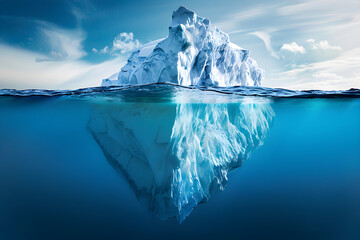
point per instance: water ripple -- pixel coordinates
(156, 89)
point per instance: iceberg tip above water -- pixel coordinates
(194, 53)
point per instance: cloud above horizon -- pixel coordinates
(338, 73)
(123, 43)
(293, 47)
(266, 38)
(324, 45)
(64, 44)
(19, 70)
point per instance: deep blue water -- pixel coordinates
(56, 183)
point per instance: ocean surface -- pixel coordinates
(57, 182)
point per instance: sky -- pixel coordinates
(68, 44)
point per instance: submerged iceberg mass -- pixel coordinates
(175, 156)
(194, 53)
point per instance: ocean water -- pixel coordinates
(57, 179)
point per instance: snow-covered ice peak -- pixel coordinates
(194, 53)
(187, 17)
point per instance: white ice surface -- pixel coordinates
(194, 53)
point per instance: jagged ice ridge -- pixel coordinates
(194, 53)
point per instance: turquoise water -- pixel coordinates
(57, 180)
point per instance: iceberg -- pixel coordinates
(194, 53)
(175, 156)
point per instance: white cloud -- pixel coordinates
(266, 38)
(104, 50)
(322, 15)
(327, 16)
(324, 45)
(19, 70)
(124, 42)
(64, 44)
(342, 72)
(234, 20)
(293, 47)
(94, 50)
(294, 9)
(322, 7)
